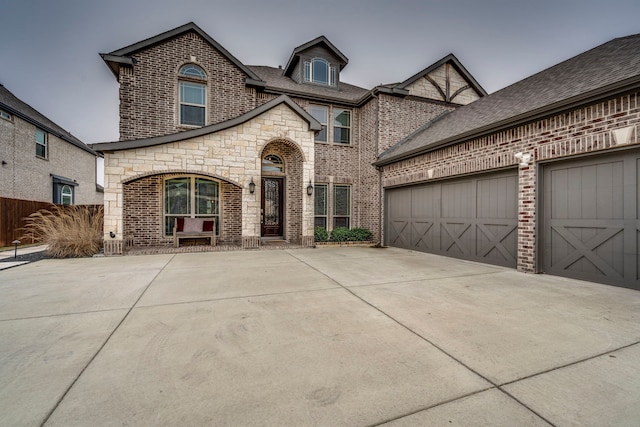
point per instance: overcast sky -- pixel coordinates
(49, 48)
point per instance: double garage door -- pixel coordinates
(473, 218)
(588, 218)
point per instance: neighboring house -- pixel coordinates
(268, 152)
(543, 175)
(40, 161)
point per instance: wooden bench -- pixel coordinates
(194, 228)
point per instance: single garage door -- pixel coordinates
(473, 218)
(590, 223)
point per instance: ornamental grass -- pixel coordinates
(68, 231)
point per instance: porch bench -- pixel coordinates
(194, 228)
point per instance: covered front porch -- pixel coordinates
(250, 174)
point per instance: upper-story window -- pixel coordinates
(319, 71)
(193, 95)
(341, 126)
(41, 144)
(340, 132)
(5, 115)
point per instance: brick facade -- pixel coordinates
(149, 91)
(23, 175)
(586, 130)
(149, 107)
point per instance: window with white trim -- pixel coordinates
(341, 126)
(66, 195)
(190, 196)
(320, 205)
(340, 131)
(193, 95)
(5, 115)
(341, 206)
(321, 114)
(41, 144)
(319, 71)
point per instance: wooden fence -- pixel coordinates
(12, 218)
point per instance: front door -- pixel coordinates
(272, 204)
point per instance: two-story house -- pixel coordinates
(40, 161)
(268, 152)
(541, 176)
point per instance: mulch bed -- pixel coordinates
(32, 257)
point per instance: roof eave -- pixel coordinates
(131, 49)
(48, 129)
(107, 147)
(539, 113)
(114, 62)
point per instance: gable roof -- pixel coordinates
(11, 104)
(206, 130)
(123, 56)
(609, 69)
(449, 59)
(323, 41)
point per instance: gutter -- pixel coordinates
(520, 119)
(62, 136)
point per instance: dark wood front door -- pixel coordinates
(272, 207)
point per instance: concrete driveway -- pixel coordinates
(330, 337)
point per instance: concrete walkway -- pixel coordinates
(328, 337)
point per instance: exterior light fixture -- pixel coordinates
(252, 186)
(112, 234)
(309, 189)
(15, 253)
(524, 158)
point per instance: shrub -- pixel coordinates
(360, 234)
(340, 234)
(68, 231)
(320, 234)
(343, 234)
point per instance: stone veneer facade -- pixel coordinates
(585, 130)
(233, 157)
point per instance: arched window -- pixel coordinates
(193, 95)
(319, 71)
(272, 163)
(66, 195)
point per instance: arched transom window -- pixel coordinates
(272, 164)
(193, 95)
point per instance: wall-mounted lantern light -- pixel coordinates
(252, 186)
(309, 188)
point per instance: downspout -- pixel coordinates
(377, 139)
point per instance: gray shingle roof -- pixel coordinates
(10, 103)
(314, 125)
(275, 80)
(610, 68)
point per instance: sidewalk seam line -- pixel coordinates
(73, 383)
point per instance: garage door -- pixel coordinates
(473, 218)
(590, 223)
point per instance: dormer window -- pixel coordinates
(320, 72)
(193, 95)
